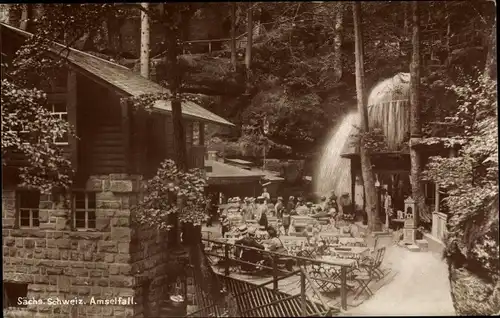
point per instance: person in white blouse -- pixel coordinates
(266, 195)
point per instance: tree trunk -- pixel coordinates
(248, 53)
(5, 18)
(405, 18)
(233, 35)
(339, 26)
(25, 17)
(371, 199)
(491, 60)
(145, 41)
(174, 79)
(415, 121)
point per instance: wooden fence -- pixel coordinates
(259, 300)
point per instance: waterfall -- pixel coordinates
(388, 109)
(334, 172)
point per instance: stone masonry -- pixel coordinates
(116, 259)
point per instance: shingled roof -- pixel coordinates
(124, 80)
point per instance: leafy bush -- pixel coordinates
(471, 180)
(28, 128)
(162, 195)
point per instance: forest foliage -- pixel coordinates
(296, 86)
(471, 179)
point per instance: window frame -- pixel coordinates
(59, 114)
(85, 210)
(30, 210)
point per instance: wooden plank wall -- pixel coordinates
(99, 127)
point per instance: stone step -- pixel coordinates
(423, 245)
(413, 248)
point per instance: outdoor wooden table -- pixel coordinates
(338, 261)
(328, 275)
(332, 237)
(351, 240)
(354, 252)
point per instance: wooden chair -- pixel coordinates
(373, 264)
(364, 279)
(328, 277)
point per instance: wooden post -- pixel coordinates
(201, 134)
(343, 288)
(210, 47)
(71, 108)
(226, 260)
(353, 189)
(436, 198)
(275, 272)
(303, 297)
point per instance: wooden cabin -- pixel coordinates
(91, 247)
(113, 136)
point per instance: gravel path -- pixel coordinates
(421, 287)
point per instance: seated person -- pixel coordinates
(309, 206)
(323, 204)
(314, 239)
(274, 244)
(302, 209)
(247, 238)
(307, 232)
(323, 214)
(261, 234)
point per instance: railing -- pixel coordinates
(311, 300)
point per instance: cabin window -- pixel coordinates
(28, 208)
(12, 293)
(59, 111)
(84, 208)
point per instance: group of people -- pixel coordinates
(262, 207)
(248, 237)
(262, 235)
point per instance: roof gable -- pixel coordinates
(125, 80)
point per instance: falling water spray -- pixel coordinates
(388, 109)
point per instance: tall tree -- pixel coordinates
(25, 16)
(248, 52)
(371, 199)
(145, 41)
(415, 120)
(173, 16)
(491, 60)
(233, 35)
(339, 26)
